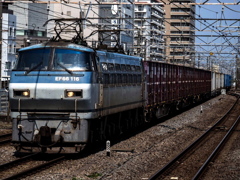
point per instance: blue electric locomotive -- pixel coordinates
(63, 95)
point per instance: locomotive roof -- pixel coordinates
(69, 45)
(58, 45)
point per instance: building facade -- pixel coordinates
(8, 55)
(148, 38)
(116, 25)
(180, 34)
(30, 20)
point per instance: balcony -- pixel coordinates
(139, 18)
(182, 42)
(157, 46)
(156, 54)
(158, 31)
(142, 27)
(158, 8)
(181, 49)
(156, 23)
(156, 15)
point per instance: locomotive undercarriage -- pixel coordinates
(62, 133)
(108, 127)
(161, 110)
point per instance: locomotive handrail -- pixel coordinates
(52, 118)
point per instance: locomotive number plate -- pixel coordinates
(67, 79)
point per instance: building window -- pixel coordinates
(180, 32)
(180, 39)
(180, 24)
(140, 8)
(179, 17)
(10, 31)
(9, 48)
(68, 13)
(20, 32)
(14, 49)
(8, 65)
(40, 33)
(139, 15)
(180, 9)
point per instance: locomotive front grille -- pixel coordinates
(48, 116)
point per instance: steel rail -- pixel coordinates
(34, 169)
(5, 141)
(194, 144)
(6, 137)
(4, 166)
(216, 150)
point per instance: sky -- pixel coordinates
(221, 50)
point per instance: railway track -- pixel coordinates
(27, 165)
(5, 138)
(193, 161)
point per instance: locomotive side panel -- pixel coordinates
(122, 86)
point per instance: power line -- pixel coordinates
(123, 3)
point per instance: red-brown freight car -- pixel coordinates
(173, 87)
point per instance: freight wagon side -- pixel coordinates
(217, 83)
(171, 87)
(227, 81)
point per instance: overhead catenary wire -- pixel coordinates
(123, 3)
(180, 42)
(216, 31)
(75, 7)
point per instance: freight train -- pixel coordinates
(64, 96)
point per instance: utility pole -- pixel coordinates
(198, 60)
(1, 12)
(237, 86)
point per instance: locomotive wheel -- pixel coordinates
(43, 149)
(18, 148)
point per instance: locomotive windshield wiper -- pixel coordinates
(33, 68)
(66, 69)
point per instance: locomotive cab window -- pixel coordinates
(72, 60)
(36, 59)
(63, 59)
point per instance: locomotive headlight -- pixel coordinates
(25, 93)
(73, 93)
(70, 94)
(21, 93)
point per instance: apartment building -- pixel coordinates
(8, 50)
(30, 20)
(116, 24)
(148, 38)
(180, 34)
